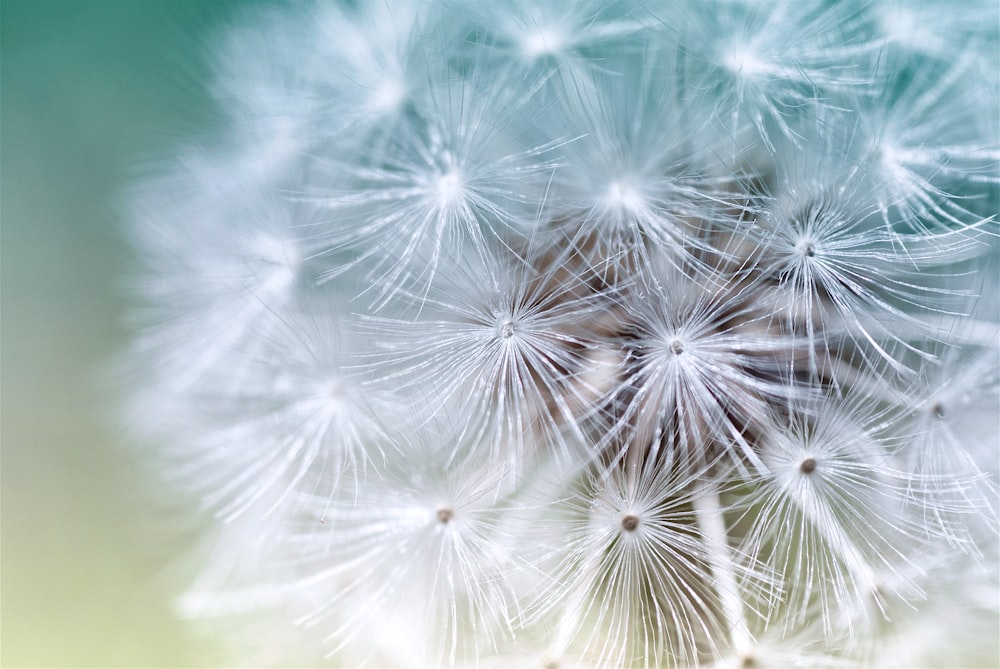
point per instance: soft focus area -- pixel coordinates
(608, 333)
(88, 90)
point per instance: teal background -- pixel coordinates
(90, 90)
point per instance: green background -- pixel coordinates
(91, 90)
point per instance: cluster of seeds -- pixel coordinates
(586, 333)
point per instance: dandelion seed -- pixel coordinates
(694, 368)
(445, 564)
(924, 145)
(496, 347)
(635, 569)
(760, 65)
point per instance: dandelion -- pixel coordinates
(615, 334)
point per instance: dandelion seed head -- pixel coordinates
(638, 333)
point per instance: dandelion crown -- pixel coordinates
(585, 333)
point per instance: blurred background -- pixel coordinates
(91, 91)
